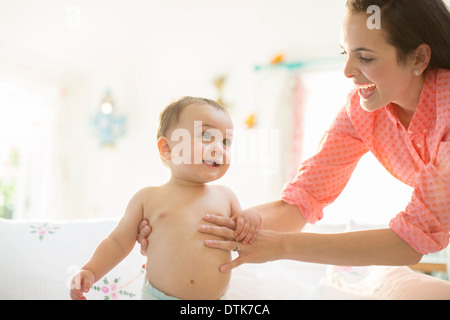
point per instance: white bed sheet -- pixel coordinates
(39, 258)
(285, 280)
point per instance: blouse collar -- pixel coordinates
(426, 109)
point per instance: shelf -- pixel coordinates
(429, 267)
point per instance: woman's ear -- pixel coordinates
(421, 59)
(164, 148)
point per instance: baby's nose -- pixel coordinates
(217, 150)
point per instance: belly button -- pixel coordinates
(192, 281)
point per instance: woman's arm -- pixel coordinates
(373, 247)
(280, 216)
(361, 248)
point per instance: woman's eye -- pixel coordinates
(365, 60)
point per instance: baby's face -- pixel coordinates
(200, 144)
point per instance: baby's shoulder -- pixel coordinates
(219, 188)
(150, 198)
(147, 193)
(229, 196)
(223, 190)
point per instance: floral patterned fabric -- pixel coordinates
(40, 257)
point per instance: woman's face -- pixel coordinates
(371, 62)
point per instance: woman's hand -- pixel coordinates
(266, 247)
(144, 232)
(223, 227)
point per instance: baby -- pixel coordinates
(179, 265)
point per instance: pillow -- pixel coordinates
(39, 258)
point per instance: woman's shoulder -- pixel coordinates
(443, 89)
(442, 80)
(443, 75)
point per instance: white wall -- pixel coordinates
(147, 53)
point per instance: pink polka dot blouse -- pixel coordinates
(418, 156)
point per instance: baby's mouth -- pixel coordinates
(211, 163)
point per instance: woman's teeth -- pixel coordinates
(366, 90)
(366, 86)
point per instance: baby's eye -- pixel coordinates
(207, 136)
(227, 142)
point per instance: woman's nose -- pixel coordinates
(350, 71)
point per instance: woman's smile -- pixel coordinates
(366, 90)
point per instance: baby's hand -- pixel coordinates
(248, 222)
(82, 281)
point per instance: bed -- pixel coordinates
(39, 258)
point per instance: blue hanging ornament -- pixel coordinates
(109, 125)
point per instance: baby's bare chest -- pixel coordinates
(185, 212)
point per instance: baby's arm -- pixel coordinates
(113, 249)
(248, 222)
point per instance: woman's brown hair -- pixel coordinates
(410, 23)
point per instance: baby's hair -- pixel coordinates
(170, 115)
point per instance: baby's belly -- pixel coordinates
(180, 265)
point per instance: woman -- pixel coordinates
(399, 111)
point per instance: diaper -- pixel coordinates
(151, 293)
